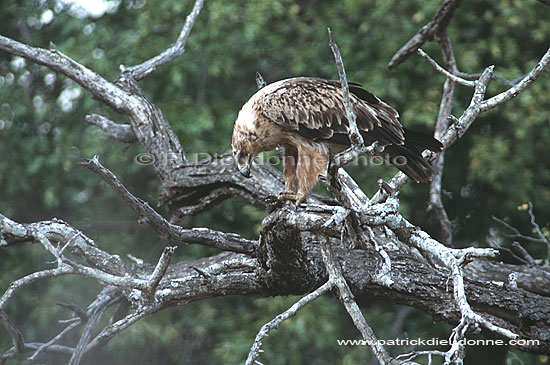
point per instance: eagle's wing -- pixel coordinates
(314, 108)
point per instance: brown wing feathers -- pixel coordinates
(314, 108)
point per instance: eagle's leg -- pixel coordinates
(290, 160)
(312, 162)
(303, 163)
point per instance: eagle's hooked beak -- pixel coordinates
(245, 171)
(243, 161)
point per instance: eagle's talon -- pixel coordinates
(287, 195)
(300, 200)
(295, 198)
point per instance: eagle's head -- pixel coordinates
(244, 140)
(243, 159)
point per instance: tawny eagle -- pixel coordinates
(306, 117)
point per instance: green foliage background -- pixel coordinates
(500, 164)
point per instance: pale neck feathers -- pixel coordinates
(253, 132)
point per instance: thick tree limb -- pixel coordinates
(438, 253)
(453, 260)
(233, 273)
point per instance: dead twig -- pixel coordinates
(144, 69)
(160, 269)
(276, 322)
(444, 72)
(433, 29)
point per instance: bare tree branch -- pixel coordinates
(428, 32)
(108, 332)
(528, 259)
(55, 339)
(276, 322)
(516, 234)
(120, 132)
(357, 143)
(31, 278)
(144, 69)
(454, 132)
(503, 97)
(475, 76)
(444, 72)
(347, 299)
(17, 338)
(441, 126)
(57, 61)
(288, 258)
(453, 259)
(104, 300)
(165, 229)
(160, 269)
(539, 232)
(31, 346)
(354, 135)
(233, 273)
(477, 106)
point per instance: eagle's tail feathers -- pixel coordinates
(421, 141)
(408, 157)
(410, 162)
